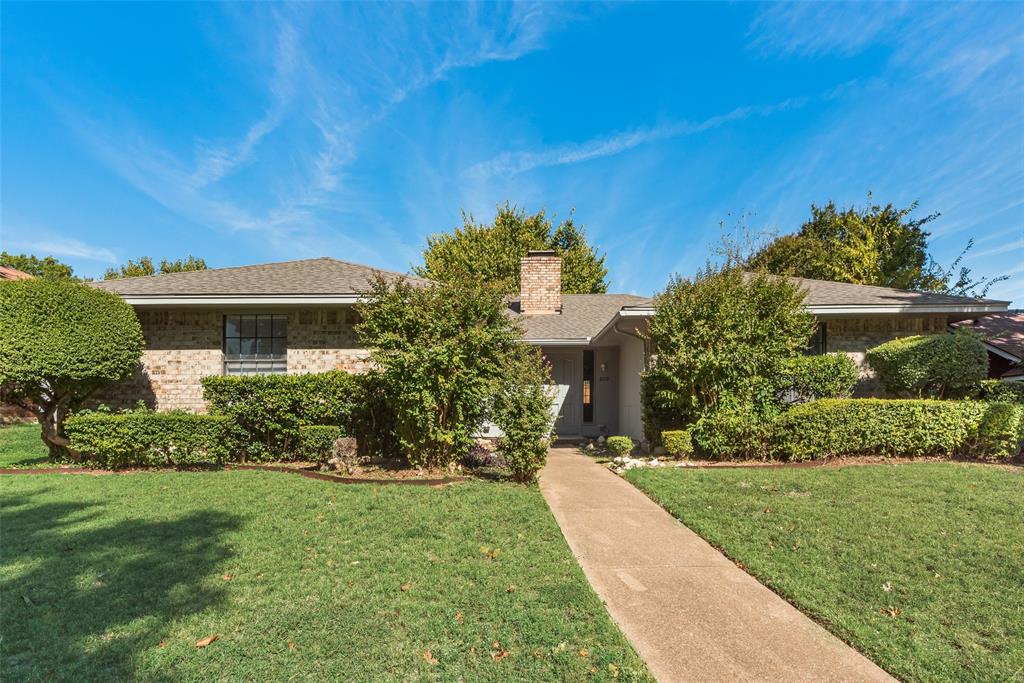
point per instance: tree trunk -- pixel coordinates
(51, 420)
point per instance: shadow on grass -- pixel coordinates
(83, 595)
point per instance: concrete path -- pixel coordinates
(690, 612)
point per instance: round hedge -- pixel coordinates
(65, 333)
(940, 365)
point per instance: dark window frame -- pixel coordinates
(818, 344)
(257, 345)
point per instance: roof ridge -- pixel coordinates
(220, 269)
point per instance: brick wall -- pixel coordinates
(182, 347)
(540, 283)
(854, 336)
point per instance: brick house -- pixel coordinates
(298, 316)
(1003, 336)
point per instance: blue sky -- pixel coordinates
(248, 133)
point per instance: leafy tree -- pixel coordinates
(490, 253)
(442, 354)
(47, 267)
(720, 340)
(959, 280)
(873, 245)
(59, 342)
(144, 266)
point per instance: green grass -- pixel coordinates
(116, 577)
(20, 446)
(943, 543)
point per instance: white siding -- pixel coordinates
(631, 364)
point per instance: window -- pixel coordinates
(588, 385)
(819, 341)
(255, 344)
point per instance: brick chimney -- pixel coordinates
(540, 283)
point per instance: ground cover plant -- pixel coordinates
(916, 565)
(118, 577)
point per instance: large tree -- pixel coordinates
(144, 266)
(490, 252)
(59, 342)
(870, 245)
(47, 267)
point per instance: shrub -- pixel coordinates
(720, 338)
(59, 343)
(144, 438)
(522, 409)
(317, 441)
(806, 378)
(1000, 433)
(620, 445)
(734, 431)
(997, 390)
(678, 442)
(888, 427)
(442, 352)
(270, 409)
(372, 418)
(939, 366)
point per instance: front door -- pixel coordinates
(565, 370)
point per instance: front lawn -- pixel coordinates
(116, 577)
(21, 446)
(917, 565)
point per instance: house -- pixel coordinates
(1003, 336)
(298, 316)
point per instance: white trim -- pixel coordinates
(895, 309)
(1016, 378)
(242, 299)
(580, 341)
(999, 352)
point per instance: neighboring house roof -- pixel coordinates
(582, 318)
(1003, 334)
(8, 273)
(311, 280)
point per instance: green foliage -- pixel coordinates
(678, 442)
(270, 409)
(620, 445)
(521, 408)
(733, 431)
(874, 245)
(915, 427)
(997, 390)
(372, 418)
(59, 342)
(317, 441)
(721, 338)
(805, 378)
(47, 267)
(144, 266)
(940, 366)
(490, 253)
(442, 352)
(150, 439)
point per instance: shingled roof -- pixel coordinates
(1004, 331)
(583, 316)
(320, 276)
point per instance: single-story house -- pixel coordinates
(298, 316)
(1003, 336)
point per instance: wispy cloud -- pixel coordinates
(66, 247)
(838, 27)
(513, 163)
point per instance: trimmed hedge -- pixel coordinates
(997, 390)
(733, 431)
(888, 427)
(939, 366)
(806, 378)
(151, 439)
(677, 442)
(318, 441)
(620, 445)
(270, 409)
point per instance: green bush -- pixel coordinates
(895, 427)
(938, 366)
(997, 390)
(720, 338)
(806, 378)
(677, 442)
(521, 408)
(270, 409)
(317, 441)
(620, 445)
(59, 343)
(734, 431)
(144, 438)
(372, 418)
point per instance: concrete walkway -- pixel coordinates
(690, 612)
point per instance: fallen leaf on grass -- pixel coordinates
(458, 617)
(498, 655)
(613, 670)
(226, 577)
(511, 588)
(891, 611)
(583, 652)
(162, 643)
(429, 657)
(291, 645)
(406, 586)
(490, 552)
(207, 640)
